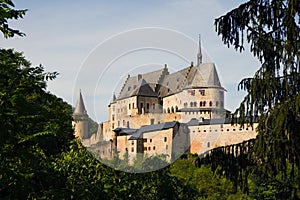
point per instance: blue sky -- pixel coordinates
(80, 38)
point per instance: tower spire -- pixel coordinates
(80, 119)
(80, 108)
(199, 55)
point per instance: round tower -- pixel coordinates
(80, 119)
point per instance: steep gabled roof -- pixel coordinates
(203, 75)
(196, 80)
(143, 89)
(80, 108)
(151, 79)
(209, 74)
(173, 83)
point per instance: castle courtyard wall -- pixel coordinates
(206, 137)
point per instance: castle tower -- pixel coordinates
(80, 116)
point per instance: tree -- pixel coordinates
(35, 127)
(7, 12)
(272, 28)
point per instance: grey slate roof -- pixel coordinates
(197, 122)
(80, 108)
(143, 89)
(125, 131)
(130, 85)
(175, 82)
(204, 75)
(150, 128)
(209, 74)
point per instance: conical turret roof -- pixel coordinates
(80, 108)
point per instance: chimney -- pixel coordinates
(139, 77)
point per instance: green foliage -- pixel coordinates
(201, 182)
(273, 30)
(35, 127)
(93, 126)
(40, 159)
(7, 12)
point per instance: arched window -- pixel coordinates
(200, 104)
(195, 104)
(204, 103)
(176, 109)
(210, 103)
(172, 110)
(191, 104)
(168, 110)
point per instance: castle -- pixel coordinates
(165, 113)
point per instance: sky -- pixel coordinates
(94, 45)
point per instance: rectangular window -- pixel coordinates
(165, 139)
(152, 121)
(145, 139)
